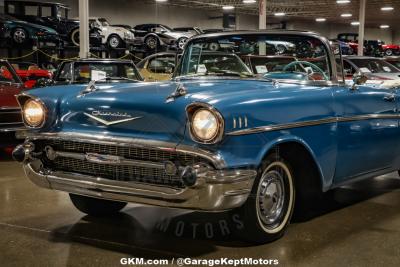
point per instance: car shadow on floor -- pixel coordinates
(153, 232)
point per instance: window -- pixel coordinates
(65, 73)
(5, 74)
(162, 65)
(31, 10)
(11, 9)
(46, 11)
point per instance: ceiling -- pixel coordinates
(305, 9)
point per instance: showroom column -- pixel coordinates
(361, 28)
(262, 21)
(84, 28)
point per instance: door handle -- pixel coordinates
(390, 98)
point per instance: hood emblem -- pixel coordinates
(95, 116)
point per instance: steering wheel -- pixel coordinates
(294, 63)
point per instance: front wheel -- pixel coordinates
(20, 36)
(95, 206)
(114, 41)
(268, 210)
(181, 42)
(389, 52)
(75, 37)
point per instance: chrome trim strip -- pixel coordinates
(119, 160)
(285, 126)
(215, 158)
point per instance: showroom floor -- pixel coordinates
(359, 227)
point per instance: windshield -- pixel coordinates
(374, 65)
(84, 72)
(395, 63)
(104, 22)
(301, 57)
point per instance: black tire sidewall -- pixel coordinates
(253, 230)
(26, 35)
(111, 37)
(96, 206)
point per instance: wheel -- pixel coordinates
(280, 49)
(95, 206)
(389, 52)
(181, 42)
(214, 46)
(152, 42)
(20, 36)
(269, 208)
(74, 37)
(114, 41)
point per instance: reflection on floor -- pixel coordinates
(356, 225)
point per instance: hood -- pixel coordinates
(35, 26)
(140, 110)
(177, 35)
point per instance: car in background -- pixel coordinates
(83, 71)
(157, 67)
(22, 33)
(390, 49)
(372, 67)
(113, 37)
(153, 36)
(4, 34)
(193, 30)
(371, 47)
(30, 73)
(10, 112)
(264, 64)
(394, 60)
(51, 15)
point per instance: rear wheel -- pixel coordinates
(181, 42)
(389, 52)
(268, 210)
(95, 206)
(152, 42)
(75, 37)
(20, 36)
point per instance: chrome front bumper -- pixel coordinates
(215, 190)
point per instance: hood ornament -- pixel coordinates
(179, 91)
(91, 87)
(95, 116)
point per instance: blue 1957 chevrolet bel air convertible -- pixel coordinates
(217, 137)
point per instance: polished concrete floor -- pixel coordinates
(356, 226)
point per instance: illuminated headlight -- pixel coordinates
(206, 125)
(34, 113)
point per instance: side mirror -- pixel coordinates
(358, 79)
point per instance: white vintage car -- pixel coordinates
(113, 37)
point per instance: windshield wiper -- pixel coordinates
(107, 79)
(231, 73)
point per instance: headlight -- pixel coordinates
(206, 125)
(34, 113)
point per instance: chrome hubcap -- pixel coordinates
(151, 42)
(271, 200)
(114, 42)
(182, 43)
(19, 36)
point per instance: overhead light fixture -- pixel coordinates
(341, 2)
(355, 23)
(280, 14)
(320, 19)
(228, 7)
(161, 1)
(249, 1)
(346, 15)
(384, 26)
(387, 8)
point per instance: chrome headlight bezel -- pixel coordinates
(192, 110)
(43, 108)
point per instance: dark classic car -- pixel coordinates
(21, 32)
(215, 139)
(83, 71)
(371, 47)
(153, 36)
(52, 15)
(10, 112)
(4, 34)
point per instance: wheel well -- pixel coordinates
(307, 176)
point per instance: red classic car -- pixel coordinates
(390, 49)
(10, 112)
(29, 73)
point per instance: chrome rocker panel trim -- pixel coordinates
(215, 190)
(285, 126)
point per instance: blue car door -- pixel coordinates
(368, 131)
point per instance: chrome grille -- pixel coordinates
(117, 172)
